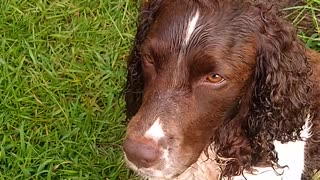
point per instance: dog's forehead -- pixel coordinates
(172, 20)
(181, 23)
(188, 34)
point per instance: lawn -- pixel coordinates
(62, 69)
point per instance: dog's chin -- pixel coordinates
(205, 168)
(152, 173)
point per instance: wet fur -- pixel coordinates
(283, 91)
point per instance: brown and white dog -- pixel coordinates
(221, 89)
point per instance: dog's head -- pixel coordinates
(216, 72)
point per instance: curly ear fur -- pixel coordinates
(135, 82)
(279, 101)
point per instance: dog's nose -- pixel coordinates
(142, 152)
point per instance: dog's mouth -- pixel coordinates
(152, 172)
(204, 168)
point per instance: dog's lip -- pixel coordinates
(148, 172)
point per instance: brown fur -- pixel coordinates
(272, 83)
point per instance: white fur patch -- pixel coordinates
(306, 129)
(204, 169)
(191, 27)
(155, 132)
(166, 158)
(290, 154)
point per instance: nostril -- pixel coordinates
(143, 153)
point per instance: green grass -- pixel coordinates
(62, 69)
(306, 18)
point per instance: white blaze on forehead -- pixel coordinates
(155, 132)
(191, 27)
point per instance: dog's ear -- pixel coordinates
(276, 104)
(281, 88)
(280, 102)
(135, 81)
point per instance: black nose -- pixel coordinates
(142, 152)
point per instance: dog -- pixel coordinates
(221, 89)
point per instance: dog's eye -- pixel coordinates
(148, 59)
(215, 78)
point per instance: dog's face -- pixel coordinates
(196, 65)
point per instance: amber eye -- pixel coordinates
(148, 59)
(215, 78)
